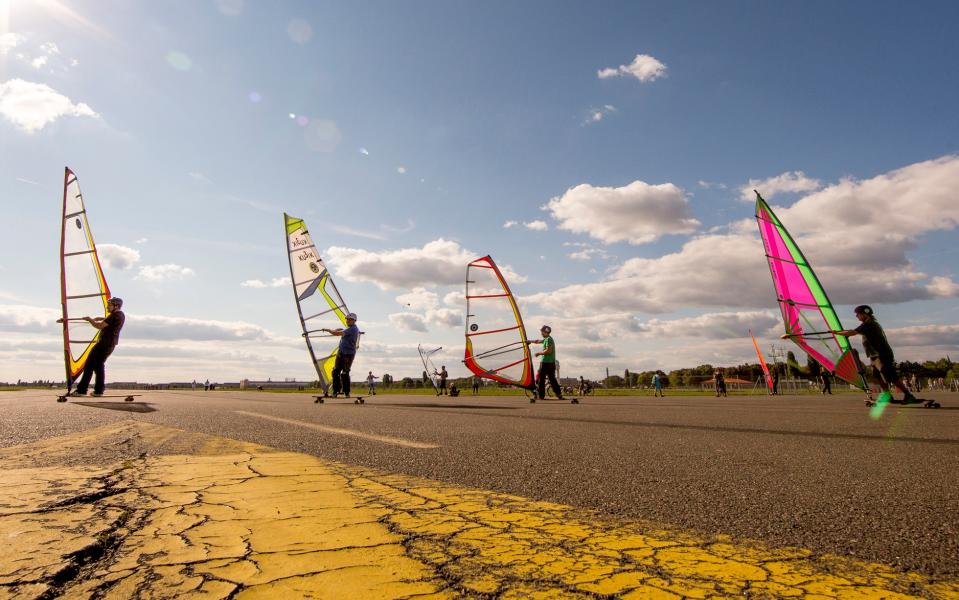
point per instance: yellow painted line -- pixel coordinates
(245, 521)
(339, 431)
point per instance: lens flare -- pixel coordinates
(880, 406)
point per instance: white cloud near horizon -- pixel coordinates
(438, 263)
(164, 272)
(788, 182)
(32, 106)
(509, 224)
(258, 284)
(408, 321)
(644, 68)
(118, 257)
(638, 213)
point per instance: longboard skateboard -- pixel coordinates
(356, 399)
(126, 397)
(571, 400)
(925, 403)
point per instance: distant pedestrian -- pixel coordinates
(371, 383)
(206, 386)
(441, 388)
(476, 385)
(658, 385)
(346, 353)
(775, 381)
(826, 380)
(720, 382)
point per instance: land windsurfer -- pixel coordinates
(345, 355)
(109, 327)
(878, 351)
(547, 365)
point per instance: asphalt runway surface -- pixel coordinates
(807, 471)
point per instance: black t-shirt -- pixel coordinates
(110, 335)
(874, 339)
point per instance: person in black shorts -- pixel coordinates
(878, 351)
(443, 374)
(109, 327)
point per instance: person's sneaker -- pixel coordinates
(910, 399)
(96, 394)
(76, 394)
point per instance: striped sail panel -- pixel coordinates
(808, 315)
(83, 288)
(496, 344)
(319, 304)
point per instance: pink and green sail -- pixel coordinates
(807, 313)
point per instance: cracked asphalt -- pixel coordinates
(246, 494)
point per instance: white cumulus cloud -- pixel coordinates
(409, 322)
(440, 262)
(273, 283)
(644, 68)
(165, 272)
(9, 41)
(536, 225)
(788, 182)
(32, 106)
(419, 299)
(637, 213)
(856, 235)
(118, 257)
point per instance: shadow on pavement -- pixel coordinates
(136, 407)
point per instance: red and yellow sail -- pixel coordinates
(496, 344)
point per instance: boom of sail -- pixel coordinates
(496, 344)
(808, 315)
(319, 304)
(83, 288)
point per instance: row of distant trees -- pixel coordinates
(930, 369)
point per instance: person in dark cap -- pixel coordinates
(547, 365)
(349, 340)
(878, 351)
(109, 330)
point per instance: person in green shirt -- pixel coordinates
(547, 365)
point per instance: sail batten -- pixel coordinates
(326, 309)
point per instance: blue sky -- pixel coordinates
(618, 138)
